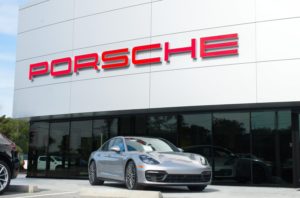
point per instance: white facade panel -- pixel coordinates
(265, 69)
(89, 7)
(45, 13)
(45, 41)
(45, 100)
(171, 16)
(246, 40)
(204, 86)
(22, 72)
(278, 39)
(276, 9)
(109, 94)
(278, 81)
(120, 25)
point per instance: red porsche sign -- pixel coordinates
(213, 46)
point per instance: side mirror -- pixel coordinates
(115, 149)
(180, 150)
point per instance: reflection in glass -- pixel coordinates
(231, 147)
(163, 127)
(38, 144)
(271, 133)
(195, 134)
(80, 147)
(102, 130)
(58, 149)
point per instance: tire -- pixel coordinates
(131, 177)
(196, 188)
(93, 176)
(5, 176)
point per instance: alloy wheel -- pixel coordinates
(4, 177)
(92, 171)
(130, 175)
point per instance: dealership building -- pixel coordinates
(217, 78)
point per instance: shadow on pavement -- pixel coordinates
(165, 189)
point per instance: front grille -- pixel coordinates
(178, 178)
(156, 176)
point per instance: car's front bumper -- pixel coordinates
(174, 176)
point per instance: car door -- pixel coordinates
(115, 160)
(102, 160)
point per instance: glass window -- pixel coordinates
(80, 147)
(105, 146)
(140, 125)
(231, 143)
(149, 144)
(38, 143)
(119, 142)
(195, 134)
(102, 130)
(58, 147)
(271, 142)
(163, 127)
(126, 124)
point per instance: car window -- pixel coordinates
(42, 158)
(221, 153)
(111, 143)
(149, 145)
(104, 147)
(119, 142)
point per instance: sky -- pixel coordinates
(8, 36)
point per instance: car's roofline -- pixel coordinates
(150, 137)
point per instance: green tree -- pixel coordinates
(17, 131)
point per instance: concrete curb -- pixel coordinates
(23, 188)
(121, 194)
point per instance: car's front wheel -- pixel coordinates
(131, 177)
(5, 176)
(197, 188)
(93, 176)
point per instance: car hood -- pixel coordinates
(175, 157)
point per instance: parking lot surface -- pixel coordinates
(77, 188)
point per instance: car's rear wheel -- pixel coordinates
(131, 177)
(93, 176)
(197, 188)
(5, 176)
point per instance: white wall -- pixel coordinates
(266, 69)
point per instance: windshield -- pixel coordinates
(149, 145)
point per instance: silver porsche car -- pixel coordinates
(142, 161)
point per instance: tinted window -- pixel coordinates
(80, 147)
(231, 136)
(272, 137)
(38, 144)
(42, 158)
(59, 147)
(102, 130)
(163, 127)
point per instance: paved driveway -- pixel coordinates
(71, 188)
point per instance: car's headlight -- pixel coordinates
(203, 161)
(148, 160)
